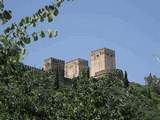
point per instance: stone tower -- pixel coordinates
(102, 62)
(56, 66)
(73, 68)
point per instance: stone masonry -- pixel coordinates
(74, 67)
(55, 66)
(102, 62)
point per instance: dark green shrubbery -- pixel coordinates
(35, 95)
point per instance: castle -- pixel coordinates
(102, 62)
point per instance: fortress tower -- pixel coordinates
(73, 68)
(56, 66)
(102, 62)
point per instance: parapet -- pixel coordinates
(78, 60)
(54, 59)
(28, 67)
(106, 51)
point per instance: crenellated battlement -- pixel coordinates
(78, 59)
(54, 59)
(106, 51)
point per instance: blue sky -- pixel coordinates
(130, 27)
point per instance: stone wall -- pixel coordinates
(56, 66)
(73, 68)
(102, 63)
(102, 60)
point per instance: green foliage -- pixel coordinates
(25, 93)
(125, 79)
(31, 95)
(36, 95)
(5, 15)
(118, 73)
(84, 73)
(153, 83)
(150, 99)
(16, 34)
(100, 99)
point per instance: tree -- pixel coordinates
(5, 15)
(126, 82)
(84, 73)
(24, 94)
(102, 99)
(16, 36)
(153, 83)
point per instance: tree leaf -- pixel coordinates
(27, 40)
(7, 14)
(50, 18)
(34, 36)
(56, 12)
(42, 34)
